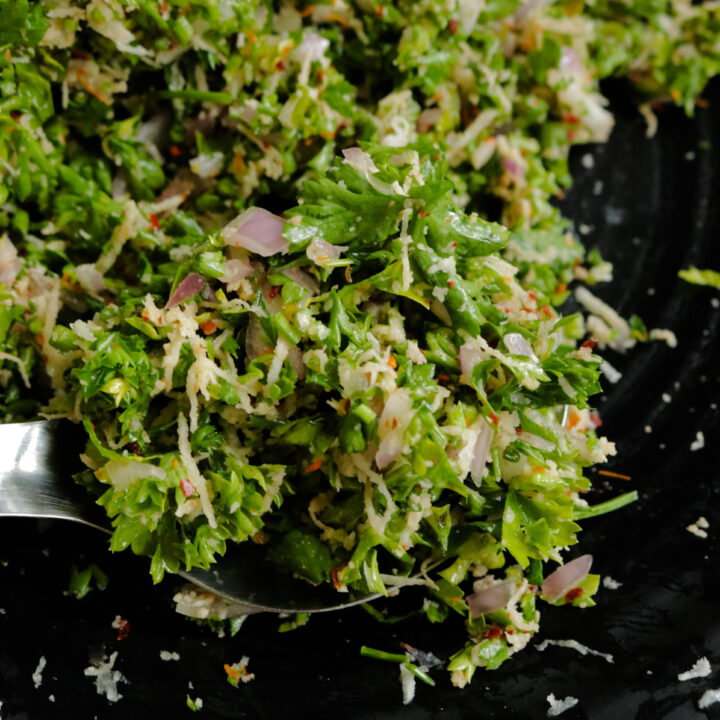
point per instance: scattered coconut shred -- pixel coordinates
(698, 443)
(699, 670)
(611, 583)
(167, 656)
(37, 675)
(709, 697)
(557, 707)
(699, 527)
(106, 679)
(575, 645)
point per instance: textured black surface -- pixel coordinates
(655, 212)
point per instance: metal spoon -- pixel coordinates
(37, 460)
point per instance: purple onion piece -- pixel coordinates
(518, 345)
(481, 452)
(236, 270)
(258, 231)
(296, 362)
(190, 285)
(566, 577)
(492, 598)
(427, 119)
(208, 294)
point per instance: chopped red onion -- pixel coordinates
(236, 270)
(312, 48)
(302, 278)
(296, 362)
(391, 427)
(511, 166)
(491, 598)
(427, 119)
(90, 278)
(481, 452)
(566, 577)
(177, 188)
(518, 345)
(258, 231)
(190, 285)
(390, 448)
(320, 251)
(470, 356)
(254, 343)
(208, 294)
(569, 61)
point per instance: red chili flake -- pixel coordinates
(443, 378)
(547, 311)
(208, 327)
(518, 430)
(175, 150)
(422, 213)
(187, 487)
(15, 114)
(348, 277)
(274, 291)
(279, 65)
(123, 629)
(494, 418)
(315, 465)
(493, 632)
(451, 283)
(334, 575)
(154, 221)
(453, 25)
(380, 11)
(573, 594)
(590, 343)
(595, 419)
(232, 673)
(394, 423)
(562, 287)
(133, 447)
(392, 362)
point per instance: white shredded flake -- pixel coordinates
(611, 583)
(407, 680)
(579, 647)
(699, 442)
(106, 678)
(709, 697)
(557, 707)
(37, 675)
(700, 669)
(167, 656)
(699, 528)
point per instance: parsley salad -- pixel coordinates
(296, 268)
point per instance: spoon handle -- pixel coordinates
(37, 459)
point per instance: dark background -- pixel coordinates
(655, 213)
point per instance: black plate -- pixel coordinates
(655, 212)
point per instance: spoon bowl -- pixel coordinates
(37, 461)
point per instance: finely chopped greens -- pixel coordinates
(379, 386)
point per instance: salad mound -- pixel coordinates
(255, 249)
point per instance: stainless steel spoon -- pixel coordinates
(37, 460)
